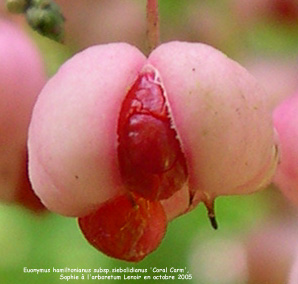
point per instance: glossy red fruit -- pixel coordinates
(150, 157)
(127, 227)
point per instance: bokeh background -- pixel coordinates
(258, 234)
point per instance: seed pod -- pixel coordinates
(184, 125)
(215, 107)
(286, 123)
(22, 77)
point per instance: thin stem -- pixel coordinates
(211, 215)
(152, 24)
(209, 202)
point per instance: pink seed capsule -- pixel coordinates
(150, 157)
(22, 76)
(183, 126)
(83, 136)
(285, 119)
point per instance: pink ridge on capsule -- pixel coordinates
(73, 134)
(221, 118)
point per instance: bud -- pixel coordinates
(46, 18)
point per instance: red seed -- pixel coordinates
(150, 157)
(127, 227)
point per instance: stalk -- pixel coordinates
(152, 24)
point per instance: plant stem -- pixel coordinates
(152, 24)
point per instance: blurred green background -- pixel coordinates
(49, 240)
